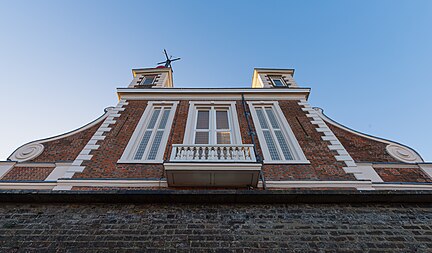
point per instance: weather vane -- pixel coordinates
(168, 60)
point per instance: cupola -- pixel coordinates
(159, 77)
(273, 78)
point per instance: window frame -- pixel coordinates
(145, 78)
(131, 149)
(296, 151)
(273, 77)
(194, 106)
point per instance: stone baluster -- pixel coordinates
(196, 153)
(222, 153)
(247, 152)
(228, 153)
(203, 154)
(177, 151)
(235, 153)
(183, 153)
(212, 153)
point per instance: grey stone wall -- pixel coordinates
(215, 228)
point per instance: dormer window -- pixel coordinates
(278, 81)
(148, 80)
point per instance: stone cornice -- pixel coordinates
(214, 93)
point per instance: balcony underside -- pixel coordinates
(212, 174)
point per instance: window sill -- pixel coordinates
(141, 161)
(287, 162)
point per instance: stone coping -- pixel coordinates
(215, 196)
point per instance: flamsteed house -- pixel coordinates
(266, 137)
(215, 170)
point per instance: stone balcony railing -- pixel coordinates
(213, 153)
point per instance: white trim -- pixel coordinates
(427, 169)
(134, 142)
(296, 150)
(364, 172)
(112, 114)
(214, 96)
(68, 184)
(36, 165)
(26, 186)
(359, 185)
(58, 172)
(213, 166)
(208, 174)
(214, 91)
(336, 145)
(402, 187)
(5, 167)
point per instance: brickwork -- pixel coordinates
(323, 164)
(402, 175)
(66, 149)
(178, 128)
(215, 228)
(362, 149)
(103, 164)
(244, 129)
(28, 173)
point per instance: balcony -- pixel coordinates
(221, 165)
(212, 153)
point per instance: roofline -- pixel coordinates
(364, 135)
(275, 70)
(210, 93)
(157, 70)
(212, 90)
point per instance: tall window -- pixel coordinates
(277, 140)
(212, 124)
(149, 139)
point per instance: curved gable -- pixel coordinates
(64, 147)
(367, 148)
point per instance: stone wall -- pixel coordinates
(215, 228)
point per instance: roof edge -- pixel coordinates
(327, 119)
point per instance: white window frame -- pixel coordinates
(145, 78)
(280, 78)
(135, 140)
(296, 151)
(189, 137)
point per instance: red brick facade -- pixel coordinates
(323, 164)
(178, 127)
(402, 175)
(360, 148)
(103, 164)
(66, 149)
(28, 173)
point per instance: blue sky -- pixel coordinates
(369, 63)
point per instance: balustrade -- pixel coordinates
(213, 153)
